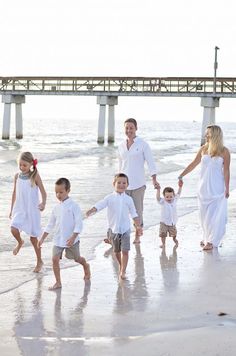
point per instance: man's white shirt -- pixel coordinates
(131, 162)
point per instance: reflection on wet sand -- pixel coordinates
(133, 296)
(169, 269)
(35, 338)
(28, 330)
(71, 328)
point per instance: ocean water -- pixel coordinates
(69, 148)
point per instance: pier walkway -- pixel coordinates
(108, 89)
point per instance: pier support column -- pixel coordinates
(209, 105)
(6, 121)
(112, 101)
(101, 121)
(8, 100)
(19, 122)
(103, 101)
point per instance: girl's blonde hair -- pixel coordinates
(216, 146)
(28, 157)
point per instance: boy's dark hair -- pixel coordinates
(65, 182)
(168, 190)
(121, 175)
(133, 121)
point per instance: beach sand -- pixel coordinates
(174, 302)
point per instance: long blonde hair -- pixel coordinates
(28, 157)
(215, 146)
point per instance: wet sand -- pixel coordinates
(170, 305)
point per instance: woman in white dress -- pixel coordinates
(213, 188)
(25, 206)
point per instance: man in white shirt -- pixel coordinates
(133, 152)
(119, 207)
(66, 219)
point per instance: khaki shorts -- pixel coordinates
(120, 242)
(72, 253)
(165, 229)
(138, 196)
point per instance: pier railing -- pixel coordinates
(119, 86)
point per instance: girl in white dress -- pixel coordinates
(213, 188)
(25, 206)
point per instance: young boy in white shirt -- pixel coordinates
(66, 217)
(119, 206)
(168, 213)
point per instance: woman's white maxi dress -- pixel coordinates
(211, 198)
(26, 214)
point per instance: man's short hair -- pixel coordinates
(131, 120)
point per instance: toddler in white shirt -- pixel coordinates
(168, 213)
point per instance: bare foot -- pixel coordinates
(162, 246)
(107, 241)
(136, 241)
(38, 267)
(55, 286)
(208, 246)
(18, 247)
(87, 273)
(122, 276)
(202, 243)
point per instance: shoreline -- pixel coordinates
(88, 249)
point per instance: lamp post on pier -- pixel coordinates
(215, 69)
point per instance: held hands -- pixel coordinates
(139, 230)
(91, 212)
(41, 206)
(156, 185)
(226, 194)
(40, 242)
(180, 181)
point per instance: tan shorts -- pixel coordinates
(138, 196)
(120, 242)
(72, 253)
(165, 229)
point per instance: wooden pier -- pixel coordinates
(108, 89)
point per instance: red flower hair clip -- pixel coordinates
(35, 162)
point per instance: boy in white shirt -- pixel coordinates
(66, 217)
(168, 213)
(119, 206)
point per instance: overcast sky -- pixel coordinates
(118, 38)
